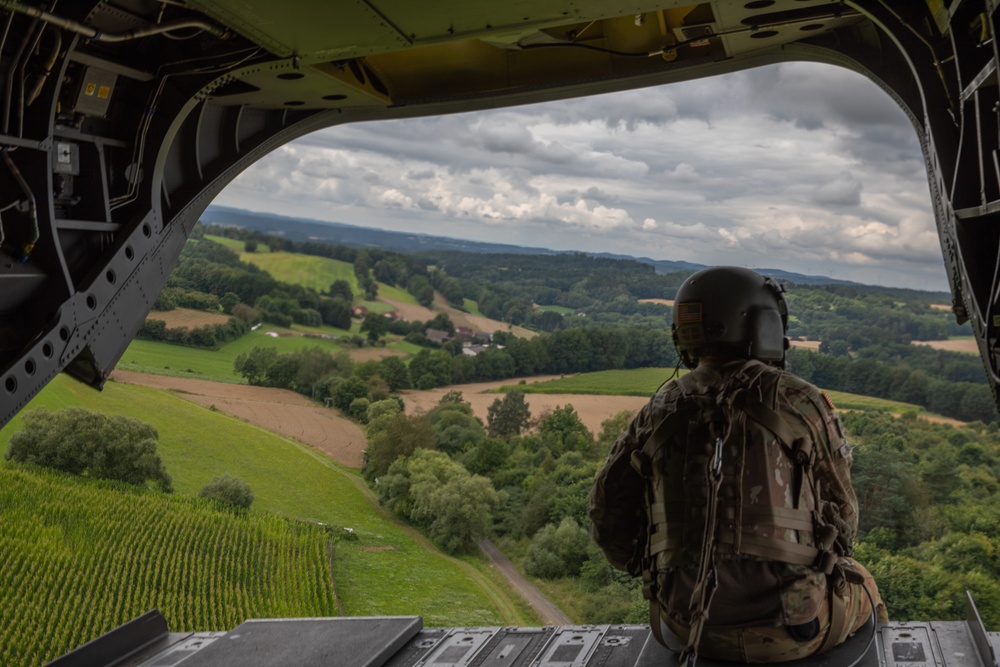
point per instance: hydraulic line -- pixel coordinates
(29, 243)
(8, 93)
(96, 35)
(50, 63)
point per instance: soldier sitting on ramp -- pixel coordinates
(730, 492)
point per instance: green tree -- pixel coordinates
(557, 552)
(421, 290)
(395, 372)
(229, 301)
(375, 325)
(400, 437)
(81, 442)
(507, 417)
(455, 507)
(611, 428)
(563, 431)
(348, 390)
(342, 289)
(228, 490)
(255, 365)
(430, 369)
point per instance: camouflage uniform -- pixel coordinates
(763, 610)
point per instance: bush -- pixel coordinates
(228, 490)
(91, 444)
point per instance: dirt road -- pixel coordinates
(548, 612)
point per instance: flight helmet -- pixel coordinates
(730, 310)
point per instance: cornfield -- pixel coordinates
(78, 558)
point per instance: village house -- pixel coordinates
(437, 336)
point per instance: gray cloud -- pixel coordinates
(803, 167)
(842, 191)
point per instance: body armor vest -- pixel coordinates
(732, 507)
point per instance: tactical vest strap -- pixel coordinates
(770, 548)
(780, 517)
(663, 541)
(770, 420)
(838, 613)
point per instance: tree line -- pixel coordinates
(905, 374)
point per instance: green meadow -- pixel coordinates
(645, 381)
(472, 307)
(388, 570)
(311, 271)
(634, 382)
(160, 358)
(562, 310)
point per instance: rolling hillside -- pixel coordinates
(289, 480)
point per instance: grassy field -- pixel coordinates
(472, 307)
(159, 358)
(562, 310)
(311, 271)
(645, 381)
(636, 382)
(78, 558)
(389, 570)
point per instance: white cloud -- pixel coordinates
(802, 167)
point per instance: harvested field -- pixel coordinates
(593, 410)
(185, 318)
(409, 312)
(664, 302)
(940, 306)
(373, 353)
(279, 410)
(806, 344)
(967, 345)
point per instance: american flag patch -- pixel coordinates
(688, 312)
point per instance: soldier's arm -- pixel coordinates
(617, 505)
(833, 471)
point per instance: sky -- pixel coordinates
(803, 167)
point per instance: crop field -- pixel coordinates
(389, 570)
(78, 558)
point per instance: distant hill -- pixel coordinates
(298, 229)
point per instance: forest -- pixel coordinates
(928, 493)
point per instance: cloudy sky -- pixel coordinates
(802, 167)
